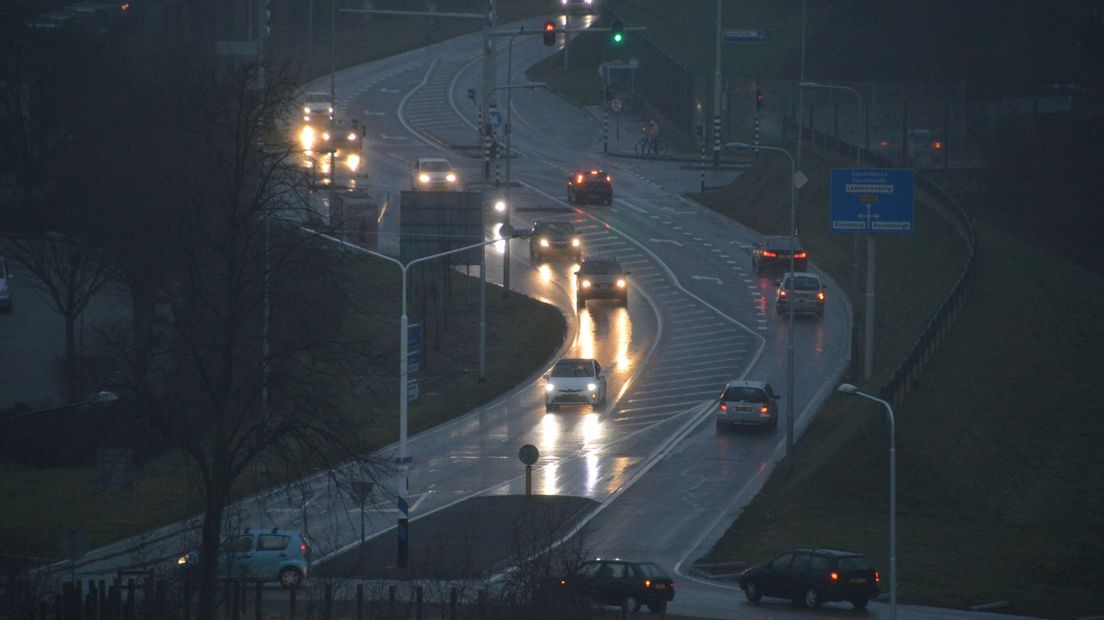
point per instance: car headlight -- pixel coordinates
(549, 387)
(620, 283)
(592, 386)
(306, 109)
(544, 243)
(423, 178)
(182, 560)
(306, 138)
(450, 177)
(331, 109)
(574, 243)
(325, 135)
(500, 206)
(353, 162)
(352, 136)
(586, 283)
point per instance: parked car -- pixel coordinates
(575, 381)
(555, 237)
(747, 403)
(601, 278)
(805, 292)
(588, 184)
(773, 254)
(620, 582)
(258, 555)
(812, 577)
(434, 173)
(5, 286)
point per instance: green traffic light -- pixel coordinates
(617, 37)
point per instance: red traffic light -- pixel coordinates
(549, 33)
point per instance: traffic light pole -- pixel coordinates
(717, 94)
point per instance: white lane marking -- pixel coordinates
(370, 113)
(402, 109)
(713, 278)
(671, 241)
(387, 137)
(388, 90)
(624, 203)
(708, 245)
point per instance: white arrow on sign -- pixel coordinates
(717, 280)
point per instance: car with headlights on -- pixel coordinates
(773, 254)
(619, 582)
(601, 278)
(812, 577)
(555, 237)
(434, 173)
(574, 381)
(585, 185)
(572, 7)
(747, 403)
(343, 139)
(804, 292)
(276, 555)
(317, 105)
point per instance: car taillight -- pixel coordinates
(769, 254)
(608, 179)
(883, 143)
(563, 582)
(782, 293)
(304, 548)
(764, 410)
(834, 576)
(801, 255)
(647, 583)
(877, 577)
(938, 145)
(724, 406)
(593, 173)
(820, 295)
(579, 178)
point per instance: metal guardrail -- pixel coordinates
(908, 370)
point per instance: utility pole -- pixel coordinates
(717, 93)
(490, 77)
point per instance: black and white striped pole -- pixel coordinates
(701, 134)
(605, 131)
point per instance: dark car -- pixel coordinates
(555, 238)
(773, 254)
(811, 577)
(590, 184)
(619, 582)
(601, 278)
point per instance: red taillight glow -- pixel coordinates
(782, 293)
(579, 178)
(883, 143)
(769, 254)
(877, 577)
(563, 582)
(763, 409)
(938, 145)
(834, 576)
(801, 255)
(549, 26)
(593, 173)
(304, 547)
(608, 179)
(724, 406)
(820, 295)
(647, 583)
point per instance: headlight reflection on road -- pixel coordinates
(549, 474)
(550, 432)
(545, 273)
(593, 469)
(623, 329)
(586, 343)
(592, 428)
(496, 233)
(353, 162)
(617, 474)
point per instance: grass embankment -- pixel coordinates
(39, 505)
(997, 446)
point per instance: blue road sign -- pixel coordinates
(744, 36)
(413, 335)
(496, 118)
(872, 200)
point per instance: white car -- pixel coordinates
(317, 105)
(579, 6)
(434, 173)
(575, 381)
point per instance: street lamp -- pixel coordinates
(102, 397)
(506, 232)
(743, 146)
(506, 203)
(868, 314)
(847, 388)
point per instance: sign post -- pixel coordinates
(528, 455)
(871, 201)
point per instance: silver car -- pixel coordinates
(434, 173)
(575, 381)
(747, 403)
(805, 292)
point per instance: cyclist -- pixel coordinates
(653, 136)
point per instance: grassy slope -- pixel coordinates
(40, 505)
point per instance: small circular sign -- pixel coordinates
(528, 454)
(615, 104)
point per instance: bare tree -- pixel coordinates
(253, 371)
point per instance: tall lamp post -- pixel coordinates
(507, 210)
(743, 146)
(507, 232)
(847, 388)
(102, 397)
(868, 313)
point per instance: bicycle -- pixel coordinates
(644, 146)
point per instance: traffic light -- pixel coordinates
(617, 32)
(760, 99)
(550, 33)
